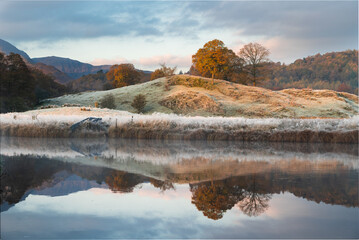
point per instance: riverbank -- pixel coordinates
(77, 122)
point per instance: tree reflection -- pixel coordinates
(254, 203)
(163, 185)
(215, 199)
(123, 182)
(18, 174)
(251, 193)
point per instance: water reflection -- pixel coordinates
(221, 177)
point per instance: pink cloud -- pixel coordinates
(170, 60)
(149, 62)
(103, 61)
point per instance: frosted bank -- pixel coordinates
(76, 122)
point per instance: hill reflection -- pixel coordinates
(220, 177)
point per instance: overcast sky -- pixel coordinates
(147, 33)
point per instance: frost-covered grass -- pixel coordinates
(57, 122)
(58, 116)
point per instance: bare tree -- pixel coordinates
(255, 55)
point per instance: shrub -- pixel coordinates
(164, 71)
(139, 102)
(108, 101)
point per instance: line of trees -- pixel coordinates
(215, 60)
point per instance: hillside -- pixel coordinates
(88, 82)
(196, 96)
(336, 70)
(73, 68)
(58, 76)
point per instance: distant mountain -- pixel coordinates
(8, 48)
(73, 68)
(59, 76)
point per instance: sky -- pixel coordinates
(147, 33)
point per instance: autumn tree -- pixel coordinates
(254, 55)
(215, 198)
(214, 59)
(123, 75)
(164, 71)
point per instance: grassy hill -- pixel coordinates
(197, 96)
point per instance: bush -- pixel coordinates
(164, 71)
(139, 102)
(108, 101)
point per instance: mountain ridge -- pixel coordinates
(8, 48)
(74, 68)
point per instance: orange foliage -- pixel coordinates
(214, 58)
(123, 75)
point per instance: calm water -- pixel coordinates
(144, 189)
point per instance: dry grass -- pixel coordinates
(189, 101)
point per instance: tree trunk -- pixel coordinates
(212, 78)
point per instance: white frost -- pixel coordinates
(70, 115)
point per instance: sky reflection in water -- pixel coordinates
(268, 196)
